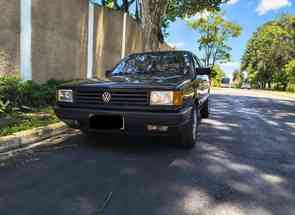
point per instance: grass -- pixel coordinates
(25, 121)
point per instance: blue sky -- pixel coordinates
(250, 14)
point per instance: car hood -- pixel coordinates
(170, 82)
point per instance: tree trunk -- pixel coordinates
(269, 84)
(285, 85)
(153, 11)
(125, 6)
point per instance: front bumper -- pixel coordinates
(136, 122)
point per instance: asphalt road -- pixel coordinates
(244, 164)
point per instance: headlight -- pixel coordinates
(166, 98)
(65, 96)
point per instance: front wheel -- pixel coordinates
(205, 110)
(189, 135)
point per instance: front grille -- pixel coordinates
(119, 97)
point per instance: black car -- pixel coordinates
(155, 93)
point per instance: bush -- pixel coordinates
(9, 89)
(26, 93)
(291, 87)
(4, 107)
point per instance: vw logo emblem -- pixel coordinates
(106, 97)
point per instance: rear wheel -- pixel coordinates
(205, 110)
(189, 135)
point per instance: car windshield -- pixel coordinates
(155, 65)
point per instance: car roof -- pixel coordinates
(163, 52)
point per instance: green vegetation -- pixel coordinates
(269, 57)
(217, 76)
(16, 94)
(18, 121)
(215, 31)
(123, 5)
(238, 79)
(290, 71)
(185, 8)
(25, 105)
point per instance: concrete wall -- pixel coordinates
(9, 36)
(59, 39)
(135, 37)
(108, 39)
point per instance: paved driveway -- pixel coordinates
(244, 164)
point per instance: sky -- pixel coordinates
(249, 14)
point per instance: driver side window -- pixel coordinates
(196, 63)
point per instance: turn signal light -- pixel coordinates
(177, 98)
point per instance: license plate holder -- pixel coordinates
(106, 122)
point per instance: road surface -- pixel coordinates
(243, 164)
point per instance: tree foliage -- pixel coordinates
(217, 76)
(166, 11)
(269, 53)
(187, 8)
(214, 31)
(290, 71)
(116, 4)
(238, 78)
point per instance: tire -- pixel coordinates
(189, 135)
(205, 110)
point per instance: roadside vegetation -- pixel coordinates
(214, 33)
(238, 79)
(21, 121)
(269, 59)
(217, 76)
(25, 104)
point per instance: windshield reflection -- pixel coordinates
(154, 65)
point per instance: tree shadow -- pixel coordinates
(243, 164)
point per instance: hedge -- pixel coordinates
(15, 93)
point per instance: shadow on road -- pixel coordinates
(244, 164)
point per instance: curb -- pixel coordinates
(26, 138)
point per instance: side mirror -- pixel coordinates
(204, 71)
(108, 73)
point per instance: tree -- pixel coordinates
(268, 51)
(290, 71)
(217, 76)
(157, 14)
(214, 32)
(238, 78)
(106, 3)
(123, 5)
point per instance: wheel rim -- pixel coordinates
(195, 124)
